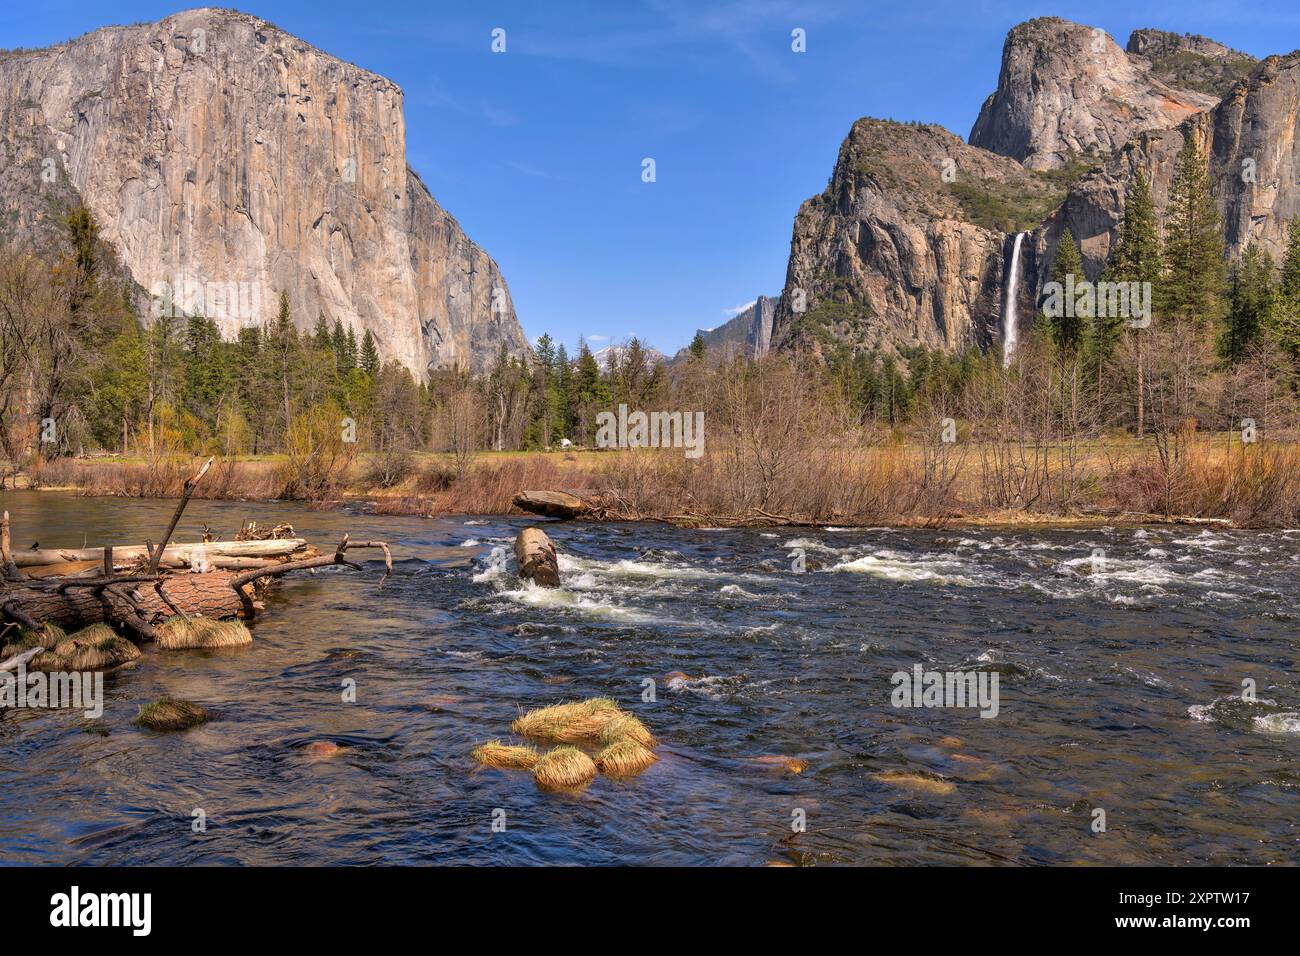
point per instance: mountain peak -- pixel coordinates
(1065, 89)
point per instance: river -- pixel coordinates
(1120, 655)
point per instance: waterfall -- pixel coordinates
(1009, 303)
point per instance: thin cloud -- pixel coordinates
(737, 309)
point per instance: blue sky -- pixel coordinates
(538, 151)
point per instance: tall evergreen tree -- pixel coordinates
(1137, 257)
(1195, 278)
(369, 355)
(1283, 316)
(1068, 328)
(1250, 295)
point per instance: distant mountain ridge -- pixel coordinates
(910, 243)
(749, 331)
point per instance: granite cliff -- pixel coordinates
(226, 161)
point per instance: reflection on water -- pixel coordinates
(1120, 689)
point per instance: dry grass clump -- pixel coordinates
(781, 764)
(93, 648)
(626, 727)
(162, 477)
(178, 632)
(505, 756)
(624, 744)
(170, 713)
(21, 639)
(624, 758)
(578, 722)
(564, 768)
(98, 647)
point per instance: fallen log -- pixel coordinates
(554, 504)
(73, 605)
(536, 558)
(174, 556)
(143, 596)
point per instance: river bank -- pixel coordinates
(1124, 483)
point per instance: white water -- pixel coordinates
(1009, 304)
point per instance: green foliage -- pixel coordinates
(1017, 205)
(1188, 70)
(1195, 277)
(1250, 300)
(698, 348)
(1283, 317)
(1067, 331)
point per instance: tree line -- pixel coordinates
(81, 372)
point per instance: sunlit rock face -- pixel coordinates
(1065, 88)
(227, 161)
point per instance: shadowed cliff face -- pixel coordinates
(226, 161)
(1253, 142)
(1066, 88)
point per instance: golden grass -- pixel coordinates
(578, 722)
(93, 648)
(564, 768)
(177, 632)
(624, 758)
(170, 713)
(505, 756)
(21, 639)
(870, 477)
(626, 727)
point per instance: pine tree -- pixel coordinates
(1195, 279)
(1249, 299)
(1068, 328)
(544, 407)
(339, 342)
(320, 335)
(1283, 315)
(1137, 257)
(369, 355)
(350, 349)
(698, 348)
(563, 391)
(590, 393)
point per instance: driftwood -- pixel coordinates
(555, 504)
(536, 558)
(136, 588)
(175, 556)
